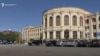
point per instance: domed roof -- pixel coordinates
(66, 9)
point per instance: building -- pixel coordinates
(31, 32)
(65, 23)
(93, 26)
(70, 23)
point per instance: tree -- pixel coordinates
(10, 36)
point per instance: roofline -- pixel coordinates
(65, 7)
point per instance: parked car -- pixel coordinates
(95, 43)
(50, 42)
(72, 42)
(83, 43)
(61, 43)
(35, 42)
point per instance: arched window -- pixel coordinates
(66, 20)
(57, 20)
(81, 21)
(51, 21)
(46, 22)
(74, 18)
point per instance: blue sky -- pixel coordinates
(29, 12)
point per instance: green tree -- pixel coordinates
(10, 36)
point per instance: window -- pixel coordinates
(81, 21)
(45, 35)
(46, 22)
(94, 19)
(57, 20)
(51, 21)
(94, 26)
(99, 26)
(86, 27)
(94, 34)
(58, 34)
(66, 20)
(81, 34)
(66, 34)
(99, 18)
(74, 20)
(74, 34)
(51, 35)
(87, 21)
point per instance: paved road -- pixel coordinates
(24, 50)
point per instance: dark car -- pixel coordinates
(50, 43)
(35, 42)
(95, 43)
(83, 43)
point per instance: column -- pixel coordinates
(54, 34)
(84, 35)
(54, 20)
(48, 20)
(78, 21)
(48, 35)
(78, 34)
(43, 21)
(91, 29)
(70, 34)
(97, 25)
(70, 19)
(43, 35)
(43, 27)
(62, 34)
(62, 19)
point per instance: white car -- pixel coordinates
(72, 42)
(61, 43)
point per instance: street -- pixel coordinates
(25, 50)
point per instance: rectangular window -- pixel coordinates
(81, 34)
(94, 19)
(74, 34)
(45, 22)
(94, 26)
(99, 18)
(99, 26)
(87, 21)
(58, 34)
(94, 34)
(45, 35)
(51, 35)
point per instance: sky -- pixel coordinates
(29, 12)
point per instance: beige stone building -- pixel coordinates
(65, 23)
(93, 26)
(70, 23)
(31, 32)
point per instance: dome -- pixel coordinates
(66, 9)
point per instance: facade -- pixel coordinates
(93, 26)
(65, 23)
(31, 32)
(69, 23)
